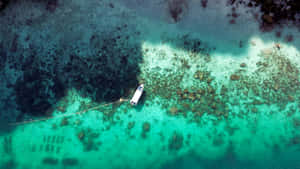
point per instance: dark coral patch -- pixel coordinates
(176, 141)
(38, 91)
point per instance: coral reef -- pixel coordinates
(3, 4)
(146, 129)
(204, 3)
(38, 91)
(70, 161)
(191, 44)
(279, 76)
(234, 77)
(130, 125)
(51, 5)
(175, 141)
(243, 65)
(204, 97)
(206, 94)
(103, 70)
(282, 76)
(274, 12)
(173, 110)
(177, 9)
(55, 161)
(50, 161)
(7, 145)
(81, 135)
(88, 138)
(64, 121)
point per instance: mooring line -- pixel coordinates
(65, 115)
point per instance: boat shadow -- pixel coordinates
(142, 101)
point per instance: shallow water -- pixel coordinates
(217, 95)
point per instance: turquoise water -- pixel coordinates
(216, 95)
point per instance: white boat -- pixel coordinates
(137, 95)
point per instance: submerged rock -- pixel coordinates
(173, 110)
(291, 98)
(64, 122)
(243, 65)
(254, 110)
(130, 125)
(235, 77)
(191, 96)
(267, 18)
(146, 127)
(88, 139)
(199, 75)
(80, 135)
